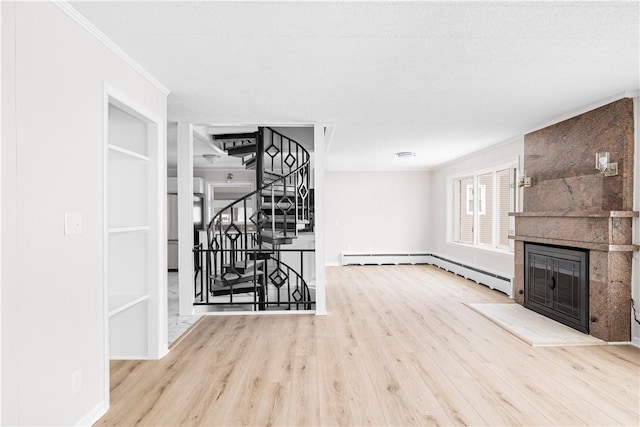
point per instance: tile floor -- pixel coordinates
(177, 324)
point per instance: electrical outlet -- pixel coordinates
(76, 381)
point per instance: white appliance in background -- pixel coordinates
(172, 216)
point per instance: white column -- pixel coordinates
(10, 275)
(185, 218)
(318, 149)
(158, 328)
(1, 121)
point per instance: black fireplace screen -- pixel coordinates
(556, 284)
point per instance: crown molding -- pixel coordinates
(504, 143)
(70, 11)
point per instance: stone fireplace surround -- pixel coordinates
(570, 204)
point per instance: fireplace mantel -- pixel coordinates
(606, 231)
(580, 214)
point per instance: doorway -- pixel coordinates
(221, 194)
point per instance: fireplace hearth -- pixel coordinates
(556, 284)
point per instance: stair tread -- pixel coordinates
(241, 266)
(227, 290)
(274, 234)
(280, 187)
(290, 218)
(277, 238)
(244, 286)
(231, 279)
(263, 255)
(259, 253)
(269, 205)
(241, 150)
(291, 227)
(290, 223)
(291, 194)
(231, 136)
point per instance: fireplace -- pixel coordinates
(605, 239)
(570, 204)
(556, 284)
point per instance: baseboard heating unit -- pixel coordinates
(380, 259)
(482, 276)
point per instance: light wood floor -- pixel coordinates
(398, 347)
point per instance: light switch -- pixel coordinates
(72, 223)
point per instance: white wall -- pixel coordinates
(442, 216)
(52, 163)
(376, 212)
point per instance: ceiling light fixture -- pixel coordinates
(211, 158)
(404, 154)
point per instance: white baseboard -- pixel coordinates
(481, 275)
(382, 258)
(332, 264)
(94, 415)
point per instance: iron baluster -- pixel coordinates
(245, 230)
(202, 272)
(282, 159)
(273, 212)
(285, 214)
(288, 154)
(295, 200)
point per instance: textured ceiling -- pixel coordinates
(442, 79)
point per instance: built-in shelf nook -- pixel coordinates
(132, 233)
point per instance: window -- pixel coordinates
(482, 190)
(483, 203)
(221, 194)
(464, 229)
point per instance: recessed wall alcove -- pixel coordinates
(571, 204)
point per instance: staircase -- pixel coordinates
(244, 263)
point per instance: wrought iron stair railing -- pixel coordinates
(245, 238)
